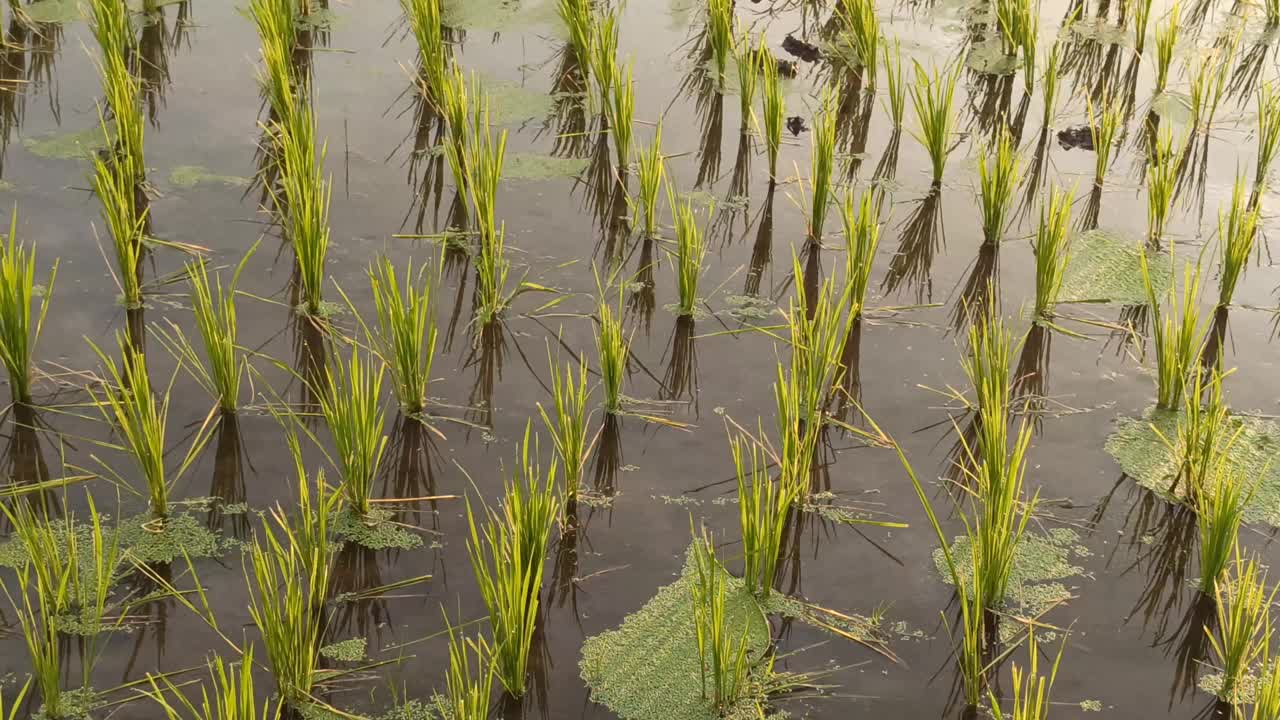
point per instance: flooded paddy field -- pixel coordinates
(313, 164)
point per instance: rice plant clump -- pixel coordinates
(1244, 626)
(1141, 19)
(690, 252)
(621, 111)
(1268, 137)
(748, 64)
(1031, 690)
(1166, 40)
(997, 181)
(114, 180)
(1220, 513)
(424, 17)
(351, 405)
(719, 31)
(613, 347)
(20, 327)
(933, 97)
(1052, 249)
(721, 652)
(1162, 179)
(468, 686)
(895, 83)
(228, 695)
(764, 507)
(1049, 80)
(1104, 128)
(406, 333)
(651, 168)
(567, 422)
(1237, 230)
(306, 193)
(824, 148)
(773, 108)
(858, 18)
(577, 16)
(1266, 694)
(1177, 334)
(508, 556)
(862, 238)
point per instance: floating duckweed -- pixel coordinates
(1255, 454)
(1091, 706)
(75, 704)
(376, 532)
(1105, 266)
(182, 533)
(532, 166)
(66, 146)
(351, 650)
(510, 103)
(188, 176)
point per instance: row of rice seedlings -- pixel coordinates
(690, 252)
(19, 327)
(1268, 137)
(764, 507)
(351, 406)
(1104, 128)
(1237, 230)
(651, 169)
(823, 162)
(1052, 250)
(567, 423)
(1162, 180)
(425, 22)
(1166, 40)
(508, 558)
(130, 405)
(862, 238)
(306, 194)
(1177, 334)
(224, 362)
(722, 654)
(933, 97)
(858, 18)
(613, 347)
(468, 690)
(1244, 627)
(997, 181)
(620, 111)
(406, 334)
(1031, 690)
(55, 587)
(719, 31)
(772, 108)
(228, 695)
(895, 83)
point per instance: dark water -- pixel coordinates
(1133, 662)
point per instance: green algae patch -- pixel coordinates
(377, 531)
(532, 166)
(189, 176)
(352, 650)
(648, 668)
(1040, 563)
(1255, 454)
(76, 704)
(67, 146)
(411, 710)
(501, 15)
(510, 103)
(54, 11)
(1107, 267)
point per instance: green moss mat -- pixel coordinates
(1256, 455)
(188, 176)
(1107, 267)
(531, 166)
(377, 532)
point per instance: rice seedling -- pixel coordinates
(1104, 128)
(1266, 694)
(113, 29)
(1166, 39)
(748, 64)
(1162, 182)
(1049, 83)
(719, 31)
(763, 509)
(621, 111)
(895, 82)
(603, 57)
(278, 32)
(932, 96)
(406, 333)
(1177, 336)
(1237, 230)
(1031, 690)
(306, 195)
(772, 108)
(15, 705)
(455, 107)
(997, 181)
(1208, 84)
(823, 163)
(1268, 137)
(1244, 626)
(858, 18)
(578, 17)
(37, 623)
(224, 362)
(721, 653)
(114, 182)
(568, 425)
(862, 237)
(228, 695)
(690, 252)
(613, 348)
(468, 689)
(351, 406)
(1019, 23)
(508, 558)
(140, 418)
(1052, 249)
(19, 327)
(424, 17)
(1219, 507)
(1202, 436)
(651, 168)
(1141, 19)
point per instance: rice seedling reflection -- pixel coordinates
(227, 484)
(680, 380)
(20, 326)
(922, 237)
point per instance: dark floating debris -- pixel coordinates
(796, 125)
(801, 49)
(1076, 137)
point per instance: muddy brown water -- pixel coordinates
(1133, 662)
